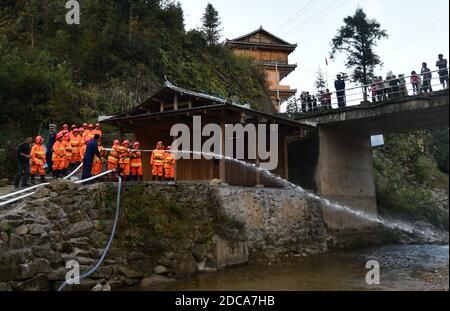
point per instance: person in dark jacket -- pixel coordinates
(339, 84)
(49, 153)
(23, 162)
(88, 159)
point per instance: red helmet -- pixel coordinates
(169, 148)
(81, 129)
(116, 142)
(74, 127)
(85, 125)
(38, 139)
(67, 136)
(126, 142)
(97, 125)
(136, 144)
(65, 126)
(90, 126)
(59, 136)
(76, 130)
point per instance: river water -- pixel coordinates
(406, 267)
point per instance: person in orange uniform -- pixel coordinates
(98, 130)
(125, 160)
(113, 158)
(76, 141)
(89, 133)
(65, 129)
(136, 163)
(38, 159)
(83, 148)
(73, 128)
(59, 152)
(157, 161)
(68, 152)
(97, 166)
(169, 165)
(81, 134)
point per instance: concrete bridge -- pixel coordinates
(337, 158)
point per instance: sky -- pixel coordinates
(418, 31)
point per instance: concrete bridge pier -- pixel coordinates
(344, 174)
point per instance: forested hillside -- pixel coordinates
(120, 53)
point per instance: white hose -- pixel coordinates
(35, 187)
(108, 246)
(74, 172)
(16, 199)
(22, 191)
(94, 177)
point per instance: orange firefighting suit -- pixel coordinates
(67, 152)
(88, 135)
(169, 165)
(58, 157)
(136, 163)
(97, 166)
(113, 158)
(157, 162)
(125, 161)
(76, 142)
(37, 159)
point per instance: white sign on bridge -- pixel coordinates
(377, 140)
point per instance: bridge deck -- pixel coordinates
(401, 114)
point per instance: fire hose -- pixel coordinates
(111, 238)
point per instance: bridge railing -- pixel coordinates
(374, 92)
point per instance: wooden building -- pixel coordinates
(271, 52)
(152, 121)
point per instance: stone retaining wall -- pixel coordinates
(165, 232)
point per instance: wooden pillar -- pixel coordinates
(285, 156)
(190, 103)
(222, 164)
(175, 102)
(161, 107)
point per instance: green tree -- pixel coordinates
(357, 39)
(292, 108)
(211, 25)
(320, 82)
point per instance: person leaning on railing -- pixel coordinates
(339, 84)
(426, 78)
(443, 71)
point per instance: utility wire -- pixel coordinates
(321, 15)
(299, 13)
